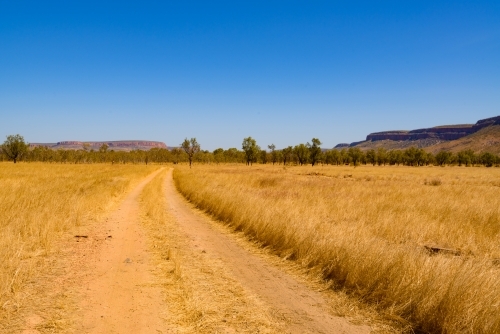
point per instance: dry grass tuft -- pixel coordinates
(433, 182)
(369, 237)
(39, 203)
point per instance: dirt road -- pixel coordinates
(305, 310)
(121, 295)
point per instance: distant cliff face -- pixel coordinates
(111, 144)
(121, 145)
(447, 132)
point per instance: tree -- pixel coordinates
(176, 153)
(371, 156)
(344, 156)
(287, 154)
(466, 157)
(355, 154)
(381, 156)
(251, 150)
(301, 151)
(218, 155)
(234, 155)
(103, 148)
(336, 157)
(395, 157)
(14, 147)
(442, 158)
(487, 159)
(190, 147)
(274, 153)
(415, 156)
(263, 156)
(314, 151)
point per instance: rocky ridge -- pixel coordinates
(119, 145)
(427, 136)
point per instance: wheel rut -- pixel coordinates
(119, 294)
(305, 310)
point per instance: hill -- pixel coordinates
(119, 145)
(482, 136)
(485, 140)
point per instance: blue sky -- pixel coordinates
(279, 71)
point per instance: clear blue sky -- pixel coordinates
(279, 71)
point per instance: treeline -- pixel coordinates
(15, 149)
(104, 155)
(381, 157)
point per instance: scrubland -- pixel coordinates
(39, 203)
(365, 229)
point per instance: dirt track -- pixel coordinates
(121, 297)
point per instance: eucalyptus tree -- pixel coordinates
(466, 157)
(263, 157)
(395, 157)
(14, 147)
(287, 154)
(302, 153)
(218, 155)
(382, 157)
(251, 150)
(191, 147)
(314, 151)
(274, 153)
(356, 155)
(371, 156)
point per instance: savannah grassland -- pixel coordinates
(40, 206)
(364, 229)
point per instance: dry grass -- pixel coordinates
(200, 295)
(196, 288)
(364, 228)
(39, 203)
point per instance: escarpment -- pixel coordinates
(445, 132)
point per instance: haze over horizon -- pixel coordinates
(281, 72)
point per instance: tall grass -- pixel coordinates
(38, 203)
(364, 228)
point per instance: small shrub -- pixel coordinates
(433, 182)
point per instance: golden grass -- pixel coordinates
(38, 204)
(364, 228)
(200, 295)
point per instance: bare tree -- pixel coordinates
(190, 147)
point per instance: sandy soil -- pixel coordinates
(120, 295)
